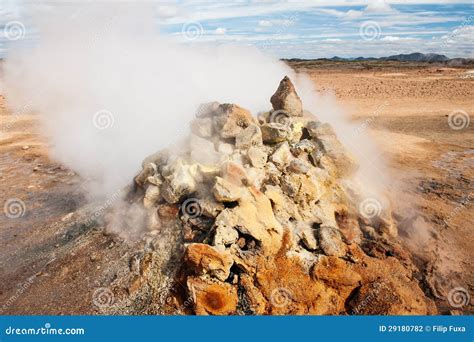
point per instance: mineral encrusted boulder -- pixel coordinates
(264, 217)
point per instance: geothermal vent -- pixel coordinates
(262, 216)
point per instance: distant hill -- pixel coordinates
(417, 57)
(411, 57)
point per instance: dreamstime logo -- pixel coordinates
(279, 116)
(103, 119)
(458, 120)
(370, 208)
(103, 297)
(370, 30)
(14, 30)
(192, 30)
(14, 208)
(458, 297)
(191, 208)
(280, 297)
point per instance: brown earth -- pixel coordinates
(54, 263)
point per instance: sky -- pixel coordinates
(302, 29)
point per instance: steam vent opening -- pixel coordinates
(259, 213)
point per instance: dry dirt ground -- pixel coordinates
(51, 262)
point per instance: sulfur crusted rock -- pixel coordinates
(264, 218)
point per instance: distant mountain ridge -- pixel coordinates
(411, 57)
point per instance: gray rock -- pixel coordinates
(345, 163)
(305, 233)
(304, 146)
(225, 191)
(286, 99)
(210, 208)
(282, 156)
(152, 196)
(298, 166)
(232, 120)
(148, 170)
(225, 236)
(273, 133)
(250, 136)
(257, 156)
(179, 181)
(331, 242)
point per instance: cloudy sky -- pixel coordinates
(312, 29)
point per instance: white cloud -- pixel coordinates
(220, 30)
(353, 14)
(333, 40)
(390, 39)
(379, 6)
(265, 23)
(275, 22)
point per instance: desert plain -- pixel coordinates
(51, 265)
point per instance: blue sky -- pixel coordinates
(313, 29)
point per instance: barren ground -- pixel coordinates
(51, 263)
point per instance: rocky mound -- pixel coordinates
(261, 216)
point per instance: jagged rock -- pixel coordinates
(296, 131)
(335, 272)
(376, 298)
(344, 161)
(304, 146)
(225, 191)
(152, 196)
(254, 216)
(232, 120)
(156, 179)
(179, 181)
(210, 207)
(204, 259)
(168, 212)
(254, 299)
(250, 136)
(255, 177)
(331, 242)
(283, 207)
(212, 298)
(286, 99)
(234, 173)
(148, 170)
(302, 187)
(224, 236)
(282, 156)
(257, 156)
(298, 166)
(273, 132)
(306, 234)
(159, 158)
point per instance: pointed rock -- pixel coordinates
(286, 99)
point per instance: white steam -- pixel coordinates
(111, 90)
